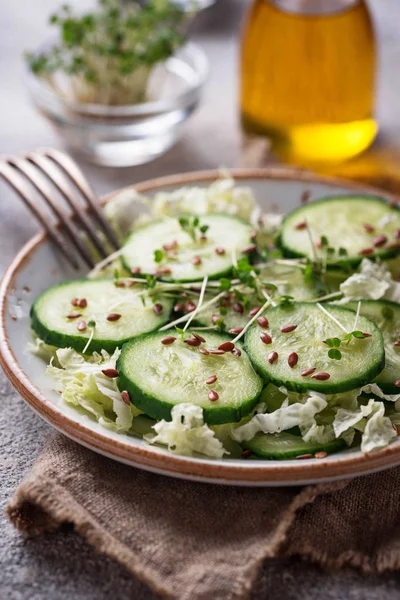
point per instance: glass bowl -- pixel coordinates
(127, 135)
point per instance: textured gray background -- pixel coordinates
(61, 565)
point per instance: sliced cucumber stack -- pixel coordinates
(71, 313)
(292, 351)
(158, 374)
(387, 316)
(355, 226)
(187, 254)
(281, 446)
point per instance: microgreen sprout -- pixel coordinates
(108, 53)
(159, 255)
(192, 226)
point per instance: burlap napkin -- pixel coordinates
(191, 541)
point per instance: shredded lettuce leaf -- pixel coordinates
(39, 348)
(373, 282)
(377, 430)
(187, 433)
(82, 383)
(285, 417)
(373, 388)
(222, 196)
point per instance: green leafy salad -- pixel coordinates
(218, 330)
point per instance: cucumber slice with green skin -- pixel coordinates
(289, 281)
(142, 425)
(362, 359)
(50, 312)
(158, 377)
(387, 316)
(226, 233)
(272, 397)
(284, 446)
(342, 220)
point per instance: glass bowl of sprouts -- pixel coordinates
(118, 83)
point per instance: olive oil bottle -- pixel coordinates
(308, 78)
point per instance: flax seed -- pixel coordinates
(272, 357)
(288, 328)
(81, 326)
(111, 373)
(170, 245)
(226, 346)
(113, 317)
(379, 240)
(321, 454)
(167, 341)
(263, 322)
(198, 337)
(321, 376)
(179, 307)
(366, 251)
(369, 228)
(308, 372)
(249, 248)
(190, 306)
(301, 225)
(126, 397)
(265, 338)
(236, 330)
(192, 342)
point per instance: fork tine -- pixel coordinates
(15, 180)
(73, 171)
(40, 184)
(52, 172)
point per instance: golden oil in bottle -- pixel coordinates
(308, 78)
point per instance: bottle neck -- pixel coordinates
(314, 7)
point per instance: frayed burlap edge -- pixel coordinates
(41, 505)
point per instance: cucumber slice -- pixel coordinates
(225, 234)
(288, 279)
(272, 397)
(387, 316)
(342, 220)
(281, 446)
(362, 359)
(157, 377)
(51, 323)
(142, 425)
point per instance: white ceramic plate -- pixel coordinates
(37, 267)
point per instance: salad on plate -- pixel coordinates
(218, 330)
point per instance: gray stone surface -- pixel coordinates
(61, 565)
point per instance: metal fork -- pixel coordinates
(47, 171)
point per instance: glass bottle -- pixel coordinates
(308, 78)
